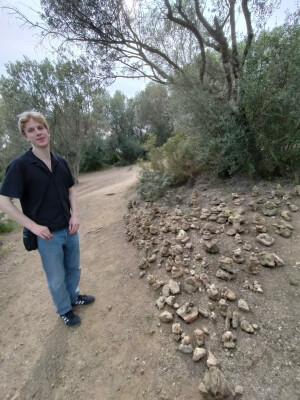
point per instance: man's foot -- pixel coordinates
(83, 300)
(71, 319)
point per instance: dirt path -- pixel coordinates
(119, 351)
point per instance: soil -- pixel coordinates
(122, 351)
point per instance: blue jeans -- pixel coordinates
(61, 263)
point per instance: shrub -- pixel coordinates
(156, 158)
(257, 131)
(94, 155)
(270, 97)
(181, 159)
(211, 139)
(153, 184)
(129, 148)
(6, 225)
(122, 163)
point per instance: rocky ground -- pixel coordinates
(192, 298)
(223, 262)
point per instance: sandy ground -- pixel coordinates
(120, 351)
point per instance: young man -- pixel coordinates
(45, 186)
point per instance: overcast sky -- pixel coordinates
(17, 40)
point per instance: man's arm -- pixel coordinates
(7, 206)
(74, 220)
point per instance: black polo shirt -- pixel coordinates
(44, 195)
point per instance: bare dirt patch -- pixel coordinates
(121, 351)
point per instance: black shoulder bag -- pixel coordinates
(29, 240)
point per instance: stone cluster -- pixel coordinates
(168, 238)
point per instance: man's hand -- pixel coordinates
(13, 212)
(73, 224)
(41, 231)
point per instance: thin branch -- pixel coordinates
(250, 34)
(188, 24)
(233, 38)
(149, 48)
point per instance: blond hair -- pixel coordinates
(25, 117)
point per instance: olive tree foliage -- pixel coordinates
(155, 39)
(16, 95)
(221, 138)
(206, 127)
(271, 99)
(124, 139)
(11, 142)
(153, 112)
(197, 48)
(64, 93)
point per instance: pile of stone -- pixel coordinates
(168, 238)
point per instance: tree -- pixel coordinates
(153, 114)
(271, 99)
(14, 99)
(269, 104)
(94, 154)
(64, 93)
(162, 39)
(141, 37)
(123, 139)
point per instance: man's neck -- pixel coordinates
(43, 154)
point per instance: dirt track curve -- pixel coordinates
(119, 351)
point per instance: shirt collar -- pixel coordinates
(35, 160)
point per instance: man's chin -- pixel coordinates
(42, 144)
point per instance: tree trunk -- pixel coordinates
(253, 150)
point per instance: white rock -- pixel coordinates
(227, 336)
(186, 340)
(199, 334)
(166, 316)
(176, 328)
(239, 390)
(199, 353)
(181, 235)
(246, 326)
(211, 360)
(166, 291)
(243, 305)
(174, 287)
(170, 300)
(160, 302)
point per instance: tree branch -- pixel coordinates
(250, 34)
(235, 58)
(218, 35)
(188, 24)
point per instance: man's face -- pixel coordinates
(36, 133)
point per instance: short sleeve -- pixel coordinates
(13, 184)
(70, 178)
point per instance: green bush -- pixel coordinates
(122, 163)
(271, 99)
(149, 141)
(257, 131)
(180, 154)
(6, 225)
(94, 155)
(129, 148)
(156, 158)
(214, 142)
(153, 184)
